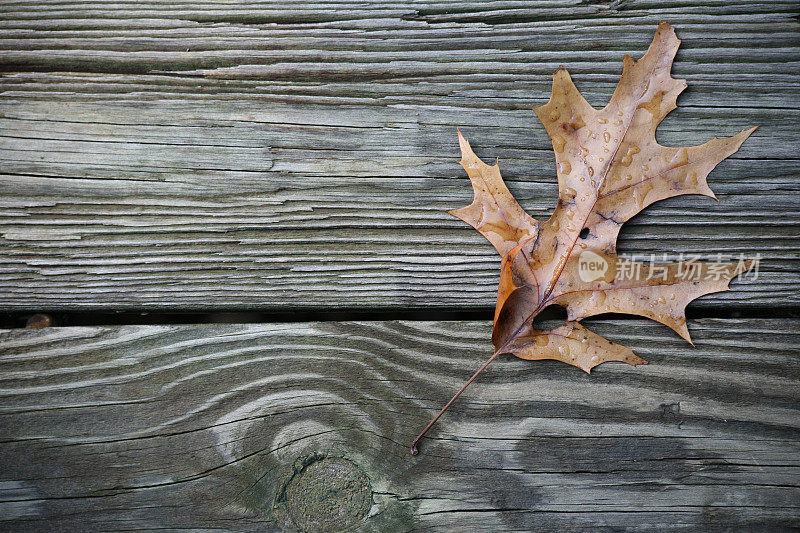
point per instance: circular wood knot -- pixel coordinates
(323, 494)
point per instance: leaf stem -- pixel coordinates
(414, 450)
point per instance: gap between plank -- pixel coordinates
(21, 319)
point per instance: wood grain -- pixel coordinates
(199, 155)
(175, 427)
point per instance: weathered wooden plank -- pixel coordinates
(229, 234)
(201, 155)
(200, 427)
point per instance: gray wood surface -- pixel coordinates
(197, 155)
(199, 426)
(186, 155)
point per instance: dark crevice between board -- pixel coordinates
(22, 319)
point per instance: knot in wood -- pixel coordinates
(323, 494)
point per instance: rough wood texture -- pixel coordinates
(201, 426)
(183, 155)
(197, 155)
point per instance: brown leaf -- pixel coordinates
(609, 168)
(573, 344)
(494, 212)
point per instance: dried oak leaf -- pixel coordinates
(610, 167)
